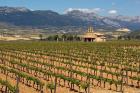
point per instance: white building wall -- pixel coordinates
(98, 39)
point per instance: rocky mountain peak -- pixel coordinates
(6, 9)
(84, 15)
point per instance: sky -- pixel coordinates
(102, 7)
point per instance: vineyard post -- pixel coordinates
(55, 84)
(6, 81)
(138, 60)
(71, 74)
(17, 84)
(122, 73)
(126, 77)
(89, 72)
(138, 55)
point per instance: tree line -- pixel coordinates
(63, 37)
(135, 35)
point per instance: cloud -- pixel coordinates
(112, 11)
(86, 10)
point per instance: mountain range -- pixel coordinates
(21, 16)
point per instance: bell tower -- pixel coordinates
(90, 29)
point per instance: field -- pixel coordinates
(69, 67)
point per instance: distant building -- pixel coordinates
(91, 36)
(120, 32)
(126, 30)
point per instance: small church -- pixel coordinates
(91, 36)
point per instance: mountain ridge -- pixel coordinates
(21, 16)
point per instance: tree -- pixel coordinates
(56, 37)
(76, 38)
(64, 37)
(50, 38)
(70, 37)
(41, 36)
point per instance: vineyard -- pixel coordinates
(70, 67)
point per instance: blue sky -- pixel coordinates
(103, 7)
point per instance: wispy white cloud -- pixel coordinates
(86, 10)
(112, 11)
